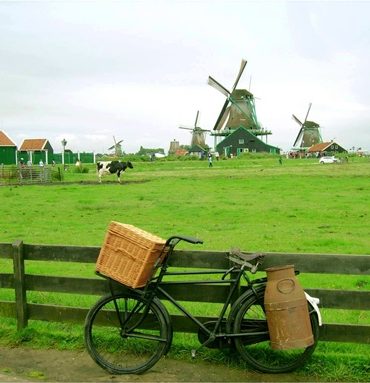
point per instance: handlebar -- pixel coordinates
(174, 240)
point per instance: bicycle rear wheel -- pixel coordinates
(256, 349)
(126, 335)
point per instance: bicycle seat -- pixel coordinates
(236, 256)
(246, 257)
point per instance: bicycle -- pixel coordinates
(127, 332)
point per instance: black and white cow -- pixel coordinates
(112, 167)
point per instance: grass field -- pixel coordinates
(253, 203)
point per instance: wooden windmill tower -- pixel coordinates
(198, 137)
(309, 133)
(117, 147)
(238, 110)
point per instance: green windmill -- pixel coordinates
(239, 112)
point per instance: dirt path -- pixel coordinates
(27, 365)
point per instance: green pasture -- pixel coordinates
(252, 203)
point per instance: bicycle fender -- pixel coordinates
(314, 303)
(241, 299)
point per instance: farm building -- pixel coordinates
(198, 151)
(36, 149)
(242, 140)
(325, 148)
(8, 150)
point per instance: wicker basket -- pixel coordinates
(129, 254)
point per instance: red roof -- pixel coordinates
(319, 147)
(33, 144)
(5, 140)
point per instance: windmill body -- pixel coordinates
(242, 111)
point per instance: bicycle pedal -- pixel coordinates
(193, 353)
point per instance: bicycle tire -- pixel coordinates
(129, 343)
(250, 316)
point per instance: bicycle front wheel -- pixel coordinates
(256, 349)
(125, 334)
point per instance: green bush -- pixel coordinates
(80, 169)
(57, 174)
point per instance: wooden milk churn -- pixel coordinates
(286, 308)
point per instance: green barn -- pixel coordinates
(34, 150)
(243, 140)
(8, 150)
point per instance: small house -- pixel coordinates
(8, 150)
(34, 150)
(198, 151)
(326, 148)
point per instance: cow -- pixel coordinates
(113, 167)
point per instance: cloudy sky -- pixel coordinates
(90, 70)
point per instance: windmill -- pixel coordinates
(239, 106)
(309, 132)
(117, 147)
(238, 110)
(198, 137)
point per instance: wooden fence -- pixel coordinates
(322, 264)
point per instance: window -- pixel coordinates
(241, 141)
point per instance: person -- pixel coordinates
(217, 155)
(41, 163)
(280, 160)
(210, 160)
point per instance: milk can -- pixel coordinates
(286, 308)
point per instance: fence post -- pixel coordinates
(20, 285)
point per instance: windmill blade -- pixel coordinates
(201, 130)
(300, 134)
(112, 147)
(183, 127)
(308, 111)
(196, 119)
(296, 120)
(222, 118)
(224, 91)
(241, 70)
(119, 142)
(218, 86)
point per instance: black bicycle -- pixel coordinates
(127, 332)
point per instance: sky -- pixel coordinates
(86, 71)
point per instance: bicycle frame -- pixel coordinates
(156, 287)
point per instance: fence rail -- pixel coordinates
(21, 283)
